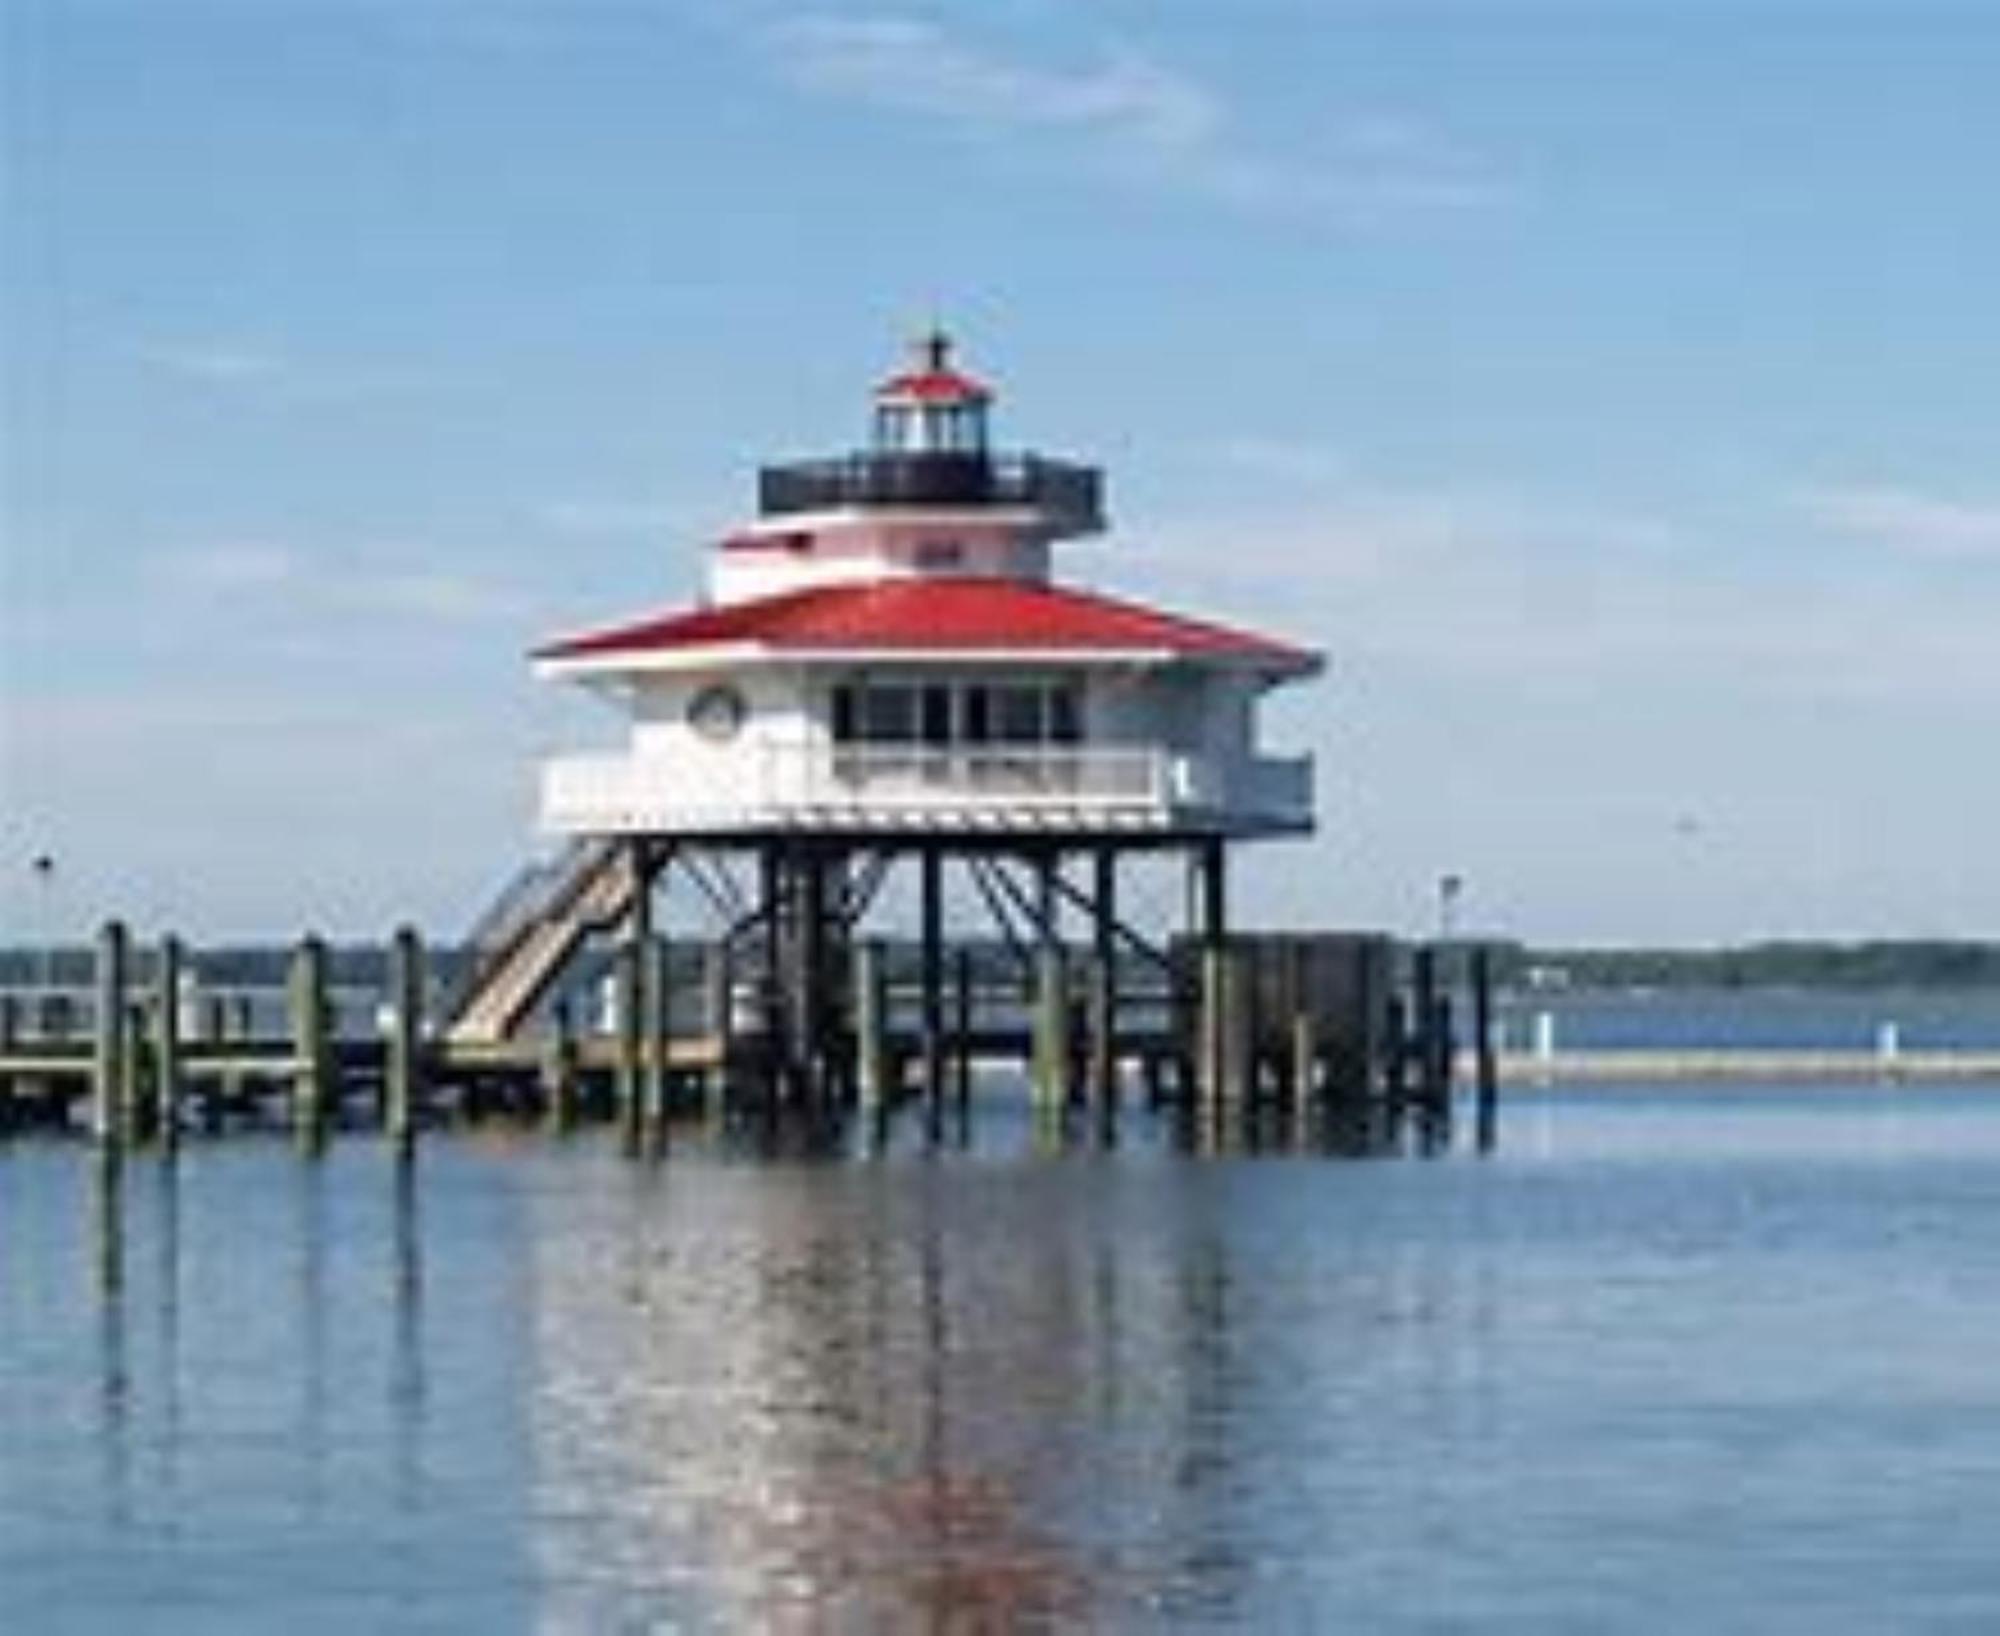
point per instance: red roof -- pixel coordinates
(933, 614)
(934, 386)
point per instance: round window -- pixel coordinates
(716, 713)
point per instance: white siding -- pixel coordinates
(856, 550)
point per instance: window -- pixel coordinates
(978, 717)
(888, 714)
(1065, 714)
(939, 554)
(937, 715)
(1017, 714)
(941, 714)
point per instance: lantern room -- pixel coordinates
(931, 408)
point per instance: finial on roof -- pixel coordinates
(934, 349)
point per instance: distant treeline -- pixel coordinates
(1915, 963)
(1910, 963)
(246, 965)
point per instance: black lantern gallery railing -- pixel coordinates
(1071, 496)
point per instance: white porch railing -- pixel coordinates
(915, 775)
(857, 784)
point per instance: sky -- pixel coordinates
(1611, 388)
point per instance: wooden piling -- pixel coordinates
(1302, 1026)
(137, 1091)
(1303, 1068)
(10, 1037)
(656, 1005)
(1228, 1027)
(111, 1055)
(1050, 1077)
(559, 1069)
(871, 1024)
(167, 1067)
(1424, 1018)
(312, 1044)
(1102, 1022)
(932, 863)
(1486, 1112)
(813, 1043)
(1388, 1125)
(962, 1028)
(719, 1013)
(402, 1082)
(625, 1003)
(1441, 1052)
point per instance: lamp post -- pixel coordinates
(43, 868)
(42, 967)
(1449, 889)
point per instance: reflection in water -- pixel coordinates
(1038, 1384)
(107, 1222)
(408, 1385)
(164, 1375)
(311, 1365)
(924, 1394)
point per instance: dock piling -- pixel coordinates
(625, 982)
(1050, 1086)
(558, 1068)
(871, 1025)
(109, 1110)
(719, 1012)
(167, 1066)
(932, 866)
(1102, 1008)
(312, 1045)
(1486, 1116)
(403, 1071)
(656, 1005)
(963, 1016)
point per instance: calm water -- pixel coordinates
(1701, 1362)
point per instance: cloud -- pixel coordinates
(1125, 114)
(233, 566)
(1917, 524)
(216, 364)
(1298, 461)
(311, 585)
(917, 67)
(1496, 594)
(588, 517)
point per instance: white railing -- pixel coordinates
(1278, 789)
(625, 792)
(915, 775)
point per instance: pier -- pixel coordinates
(1337, 1041)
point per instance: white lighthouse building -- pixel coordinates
(886, 649)
(886, 667)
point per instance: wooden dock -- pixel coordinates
(1340, 1034)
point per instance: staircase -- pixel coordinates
(524, 940)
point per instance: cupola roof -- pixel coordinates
(931, 379)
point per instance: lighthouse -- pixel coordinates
(886, 650)
(886, 667)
